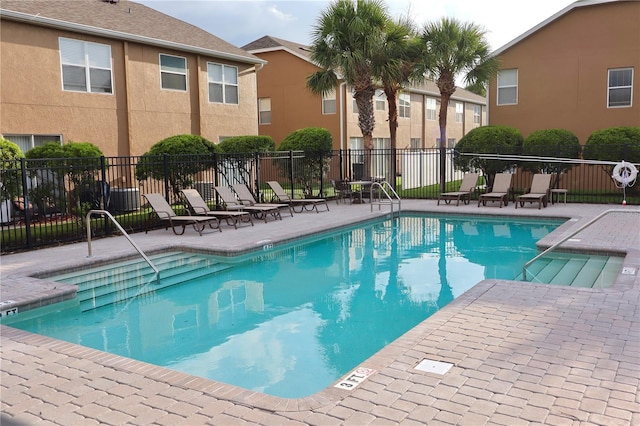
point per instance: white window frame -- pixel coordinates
(224, 83)
(432, 109)
(625, 87)
(329, 103)
(380, 100)
(28, 142)
(88, 58)
(174, 72)
(404, 105)
(506, 82)
(459, 112)
(264, 110)
(415, 143)
(477, 114)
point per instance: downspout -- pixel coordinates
(342, 141)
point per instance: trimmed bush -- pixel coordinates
(556, 143)
(317, 145)
(180, 173)
(247, 144)
(11, 185)
(504, 140)
(614, 144)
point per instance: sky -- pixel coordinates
(240, 22)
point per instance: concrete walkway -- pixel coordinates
(522, 353)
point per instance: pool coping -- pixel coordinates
(382, 359)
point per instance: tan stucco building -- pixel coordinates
(119, 75)
(285, 104)
(577, 70)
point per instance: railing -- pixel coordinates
(584, 226)
(115, 222)
(382, 189)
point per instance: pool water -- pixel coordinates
(288, 321)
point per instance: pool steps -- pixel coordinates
(577, 270)
(133, 278)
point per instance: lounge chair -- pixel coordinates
(232, 203)
(198, 207)
(246, 197)
(539, 191)
(166, 214)
(464, 192)
(308, 204)
(499, 192)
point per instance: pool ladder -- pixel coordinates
(566, 237)
(390, 195)
(115, 222)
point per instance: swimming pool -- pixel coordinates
(291, 320)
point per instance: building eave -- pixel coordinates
(118, 35)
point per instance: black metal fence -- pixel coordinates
(44, 202)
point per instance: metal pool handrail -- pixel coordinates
(106, 213)
(382, 185)
(589, 223)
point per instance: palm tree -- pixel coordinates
(396, 67)
(452, 48)
(347, 36)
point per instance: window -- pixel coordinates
(264, 110)
(416, 143)
(27, 142)
(355, 106)
(380, 100)
(86, 67)
(459, 112)
(508, 87)
(329, 102)
(223, 83)
(451, 142)
(477, 114)
(404, 105)
(431, 109)
(620, 87)
(173, 72)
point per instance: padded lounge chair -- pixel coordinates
(231, 203)
(166, 213)
(246, 197)
(499, 192)
(199, 207)
(308, 204)
(539, 191)
(464, 192)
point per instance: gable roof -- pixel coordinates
(566, 10)
(428, 87)
(123, 20)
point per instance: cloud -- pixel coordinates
(280, 15)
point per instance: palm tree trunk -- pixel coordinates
(392, 102)
(444, 104)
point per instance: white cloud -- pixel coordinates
(280, 15)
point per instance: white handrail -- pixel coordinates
(589, 223)
(382, 185)
(104, 212)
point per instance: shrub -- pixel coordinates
(247, 144)
(488, 140)
(10, 178)
(614, 144)
(558, 143)
(179, 173)
(316, 144)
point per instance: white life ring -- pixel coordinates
(625, 173)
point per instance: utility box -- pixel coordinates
(125, 199)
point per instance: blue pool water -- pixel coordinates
(291, 320)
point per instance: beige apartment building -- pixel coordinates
(285, 104)
(120, 75)
(577, 70)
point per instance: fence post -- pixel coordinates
(320, 195)
(103, 194)
(25, 197)
(291, 171)
(256, 158)
(165, 159)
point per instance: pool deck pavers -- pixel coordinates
(521, 353)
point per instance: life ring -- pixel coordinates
(625, 173)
